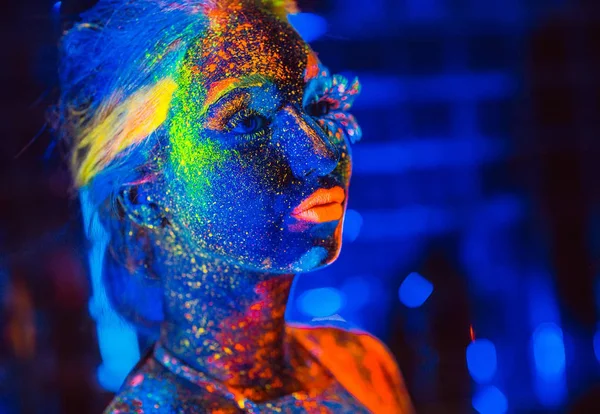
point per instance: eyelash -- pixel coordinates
(316, 106)
(328, 99)
(239, 117)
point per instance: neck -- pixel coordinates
(229, 324)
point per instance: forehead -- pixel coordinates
(251, 42)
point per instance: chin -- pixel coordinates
(319, 256)
(314, 259)
(303, 252)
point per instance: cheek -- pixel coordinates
(232, 208)
(227, 186)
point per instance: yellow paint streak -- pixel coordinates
(127, 124)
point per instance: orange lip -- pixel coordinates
(321, 206)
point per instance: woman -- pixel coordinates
(213, 147)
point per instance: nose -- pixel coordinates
(307, 147)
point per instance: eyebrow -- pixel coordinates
(221, 88)
(218, 119)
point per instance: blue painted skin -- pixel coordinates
(277, 153)
(207, 225)
(227, 256)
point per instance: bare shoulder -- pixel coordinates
(145, 390)
(360, 361)
(351, 342)
(150, 389)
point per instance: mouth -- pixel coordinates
(322, 206)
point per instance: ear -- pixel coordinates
(137, 203)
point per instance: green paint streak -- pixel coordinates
(194, 157)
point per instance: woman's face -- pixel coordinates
(253, 175)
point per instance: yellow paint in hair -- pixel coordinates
(127, 124)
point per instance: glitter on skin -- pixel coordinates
(274, 163)
(312, 258)
(256, 126)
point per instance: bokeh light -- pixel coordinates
(549, 358)
(321, 302)
(490, 400)
(415, 290)
(481, 360)
(352, 225)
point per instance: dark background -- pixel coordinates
(471, 244)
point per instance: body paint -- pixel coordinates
(249, 182)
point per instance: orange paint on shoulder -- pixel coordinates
(361, 364)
